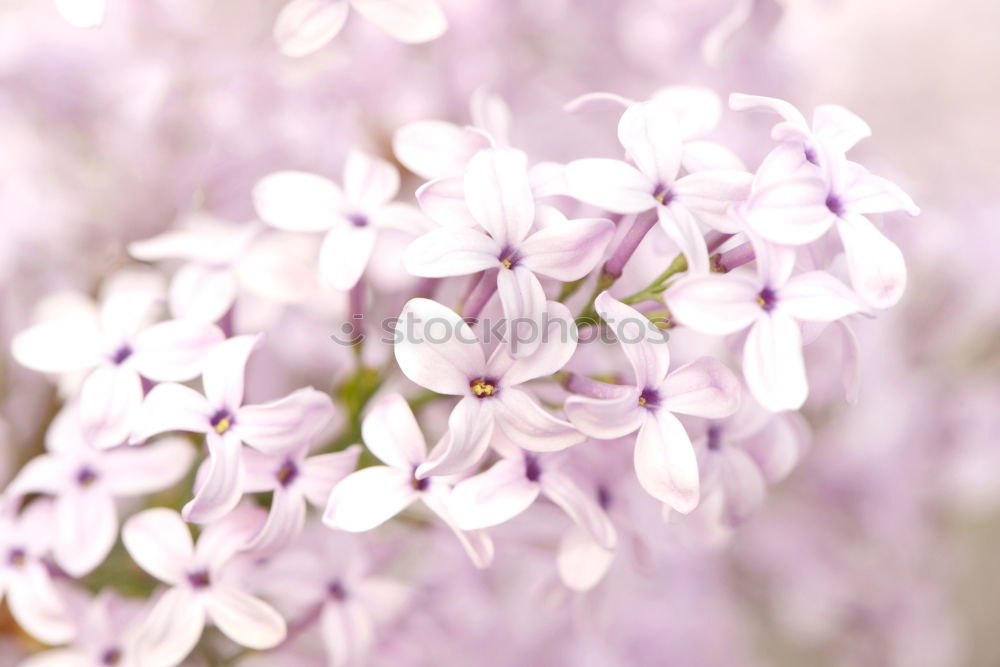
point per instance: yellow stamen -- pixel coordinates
(222, 426)
(760, 301)
(505, 262)
(642, 400)
(482, 388)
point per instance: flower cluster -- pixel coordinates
(657, 303)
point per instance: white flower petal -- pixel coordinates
(453, 251)
(665, 462)
(409, 21)
(171, 630)
(435, 149)
(369, 497)
(159, 542)
(492, 497)
(644, 345)
(567, 251)
(298, 201)
(82, 13)
(582, 508)
(816, 296)
(876, 264)
(174, 351)
(345, 253)
(285, 424)
(436, 349)
(86, 529)
(650, 134)
(704, 387)
(222, 486)
(470, 427)
(582, 562)
(611, 185)
(202, 293)
(110, 403)
(369, 182)
(498, 194)
(224, 371)
(305, 26)
(138, 470)
(172, 407)
(606, 419)
(392, 434)
(532, 427)
(716, 305)
(320, 474)
(37, 606)
(773, 365)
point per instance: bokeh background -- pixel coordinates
(881, 549)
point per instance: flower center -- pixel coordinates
(767, 299)
(17, 557)
(199, 579)
(714, 437)
(358, 220)
(111, 657)
(531, 469)
(509, 258)
(287, 473)
(603, 496)
(121, 354)
(419, 484)
(336, 591)
(811, 155)
(85, 476)
(483, 387)
(835, 205)
(649, 398)
(662, 194)
(221, 421)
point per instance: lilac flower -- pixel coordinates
(206, 285)
(806, 186)
(202, 585)
(369, 497)
(32, 598)
(444, 356)
(770, 305)
(498, 196)
(293, 479)
(652, 139)
(116, 347)
(305, 26)
(511, 486)
(82, 13)
(665, 461)
(85, 481)
(304, 202)
(274, 427)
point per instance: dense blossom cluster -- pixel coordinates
(274, 438)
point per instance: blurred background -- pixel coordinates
(881, 549)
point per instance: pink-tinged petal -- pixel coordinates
(604, 418)
(368, 498)
(531, 426)
(498, 194)
(202, 293)
(37, 606)
(435, 149)
(558, 344)
(850, 375)
(706, 155)
(69, 657)
(681, 228)
(865, 192)
(743, 102)
(665, 462)
(567, 251)
(348, 632)
(285, 424)
(64, 345)
(401, 217)
(773, 365)
(159, 542)
(126, 309)
(875, 264)
(345, 253)
(436, 349)
(298, 201)
(743, 486)
(716, 305)
(138, 470)
(369, 181)
(492, 497)
(320, 474)
(454, 251)
(43, 474)
(86, 529)
(171, 630)
(477, 543)
(651, 136)
(791, 211)
(703, 388)
(409, 21)
(524, 305)
(225, 369)
(598, 101)
(491, 114)
(305, 26)
(82, 13)
(284, 521)
(778, 446)
(816, 296)
(581, 508)
(644, 345)
(709, 195)
(838, 127)
(221, 540)
(470, 427)
(697, 110)
(222, 486)
(443, 201)
(582, 562)
(174, 351)
(172, 407)
(392, 434)
(775, 263)
(611, 185)
(110, 402)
